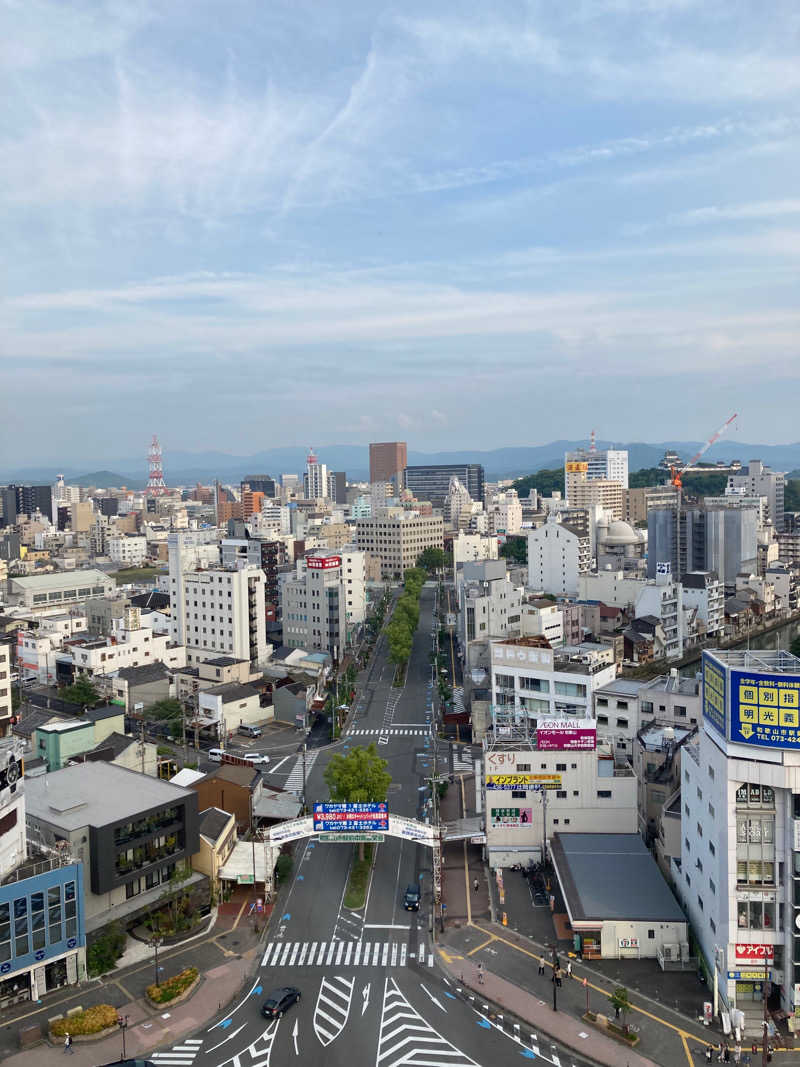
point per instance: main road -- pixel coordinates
(371, 990)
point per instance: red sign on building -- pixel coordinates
(755, 953)
(323, 563)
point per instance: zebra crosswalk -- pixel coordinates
(181, 1055)
(394, 731)
(294, 783)
(344, 954)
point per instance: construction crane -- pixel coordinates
(676, 480)
(676, 473)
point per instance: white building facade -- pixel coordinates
(324, 603)
(128, 550)
(557, 556)
(739, 870)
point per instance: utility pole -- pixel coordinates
(764, 993)
(305, 805)
(183, 733)
(141, 742)
(544, 824)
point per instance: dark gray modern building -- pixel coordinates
(337, 486)
(25, 500)
(431, 482)
(717, 539)
(260, 483)
(129, 830)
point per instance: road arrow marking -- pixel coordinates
(294, 1037)
(433, 998)
(365, 995)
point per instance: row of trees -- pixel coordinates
(400, 631)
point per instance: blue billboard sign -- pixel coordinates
(714, 693)
(346, 818)
(765, 709)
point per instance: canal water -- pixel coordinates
(779, 638)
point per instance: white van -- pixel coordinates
(215, 755)
(246, 730)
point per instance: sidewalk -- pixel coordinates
(225, 960)
(572, 1033)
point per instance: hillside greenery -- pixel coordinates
(545, 481)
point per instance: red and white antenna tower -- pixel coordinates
(156, 485)
(593, 441)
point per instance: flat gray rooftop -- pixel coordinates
(612, 877)
(95, 794)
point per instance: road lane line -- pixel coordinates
(286, 952)
(348, 953)
(403, 950)
(357, 959)
(385, 954)
(294, 954)
(331, 951)
(339, 953)
(322, 947)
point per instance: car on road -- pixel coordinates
(129, 1063)
(256, 758)
(279, 1001)
(539, 899)
(411, 898)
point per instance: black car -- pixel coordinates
(411, 898)
(129, 1063)
(540, 899)
(279, 1001)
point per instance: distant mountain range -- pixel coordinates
(186, 468)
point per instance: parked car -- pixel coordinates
(129, 1063)
(411, 898)
(540, 899)
(215, 755)
(247, 730)
(279, 1001)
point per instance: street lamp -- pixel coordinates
(122, 1023)
(154, 943)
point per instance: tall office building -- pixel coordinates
(337, 486)
(260, 483)
(588, 464)
(324, 602)
(25, 500)
(432, 481)
(315, 480)
(759, 480)
(387, 461)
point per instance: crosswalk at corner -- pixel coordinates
(181, 1055)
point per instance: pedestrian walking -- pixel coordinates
(480, 974)
(569, 968)
(719, 1052)
(709, 1054)
(475, 885)
(726, 1054)
(541, 965)
(737, 1053)
(68, 1044)
(558, 976)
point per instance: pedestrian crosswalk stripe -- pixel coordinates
(343, 954)
(388, 731)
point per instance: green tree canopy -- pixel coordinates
(544, 480)
(82, 691)
(515, 549)
(164, 709)
(359, 777)
(432, 559)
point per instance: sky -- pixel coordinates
(242, 225)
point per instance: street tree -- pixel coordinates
(431, 559)
(360, 777)
(82, 691)
(621, 1004)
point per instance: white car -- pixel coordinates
(256, 758)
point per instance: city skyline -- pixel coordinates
(408, 223)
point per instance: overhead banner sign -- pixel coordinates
(351, 817)
(565, 735)
(765, 709)
(523, 781)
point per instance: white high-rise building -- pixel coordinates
(558, 554)
(315, 480)
(608, 463)
(759, 480)
(324, 602)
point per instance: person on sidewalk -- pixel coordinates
(480, 974)
(541, 965)
(569, 968)
(737, 1053)
(68, 1044)
(709, 1054)
(475, 885)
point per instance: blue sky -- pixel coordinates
(242, 225)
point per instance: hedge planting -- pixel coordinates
(173, 987)
(91, 1021)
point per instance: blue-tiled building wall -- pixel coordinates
(41, 918)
